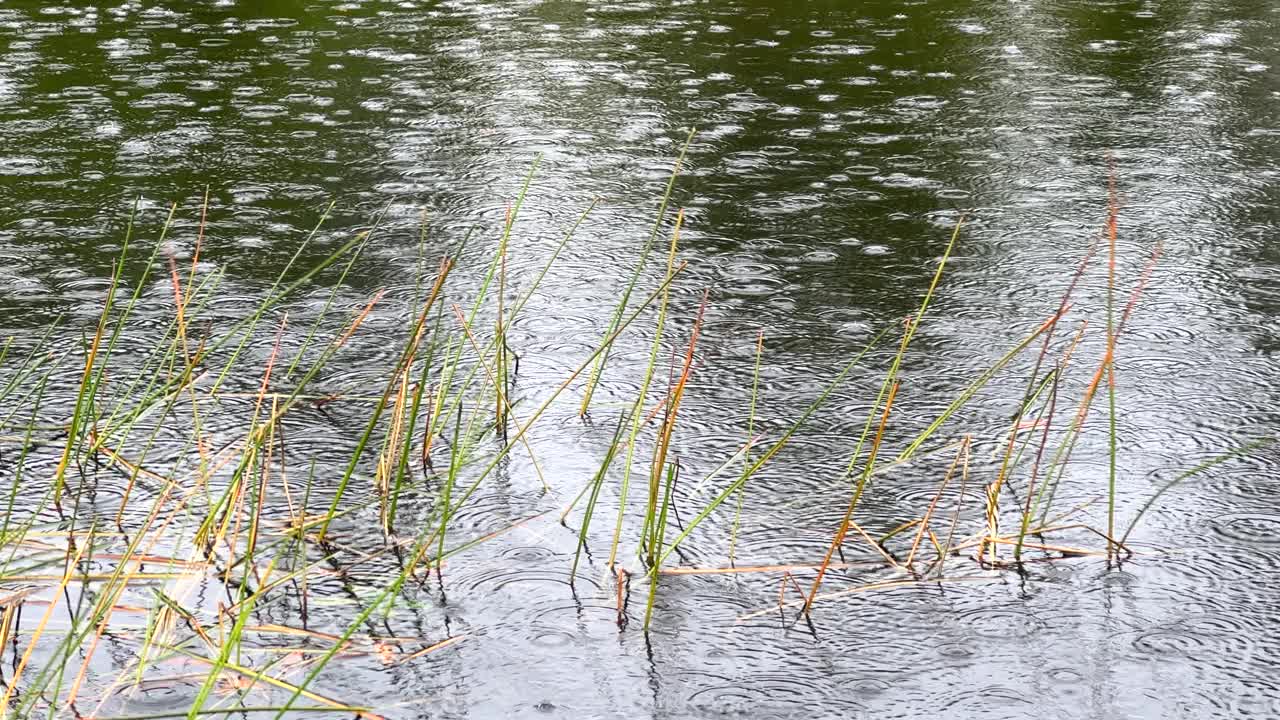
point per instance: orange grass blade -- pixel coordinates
(838, 540)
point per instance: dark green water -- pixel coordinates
(837, 145)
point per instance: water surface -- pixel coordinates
(837, 145)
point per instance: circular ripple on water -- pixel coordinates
(1001, 622)
(551, 638)
(771, 696)
(691, 599)
(883, 657)
(956, 653)
(1256, 697)
(869, 687)
(488, 581)
(158, 695)
(1178, 574)
(1114, 581)
(1251, 528)
(992, 701)
(1064, 675)
(1214, 640)
(593, 619)
(912, 495)
(530, 554)
(1164, 643)
(1258, 565)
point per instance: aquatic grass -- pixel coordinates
(421, 390)
(888, 390)
(913, 447)
(230, 499)
(254, 437)
(1109, 360)
(498, 382)
(155, 374)
(662, 448)
(1063, 454)
(746, 460)
(396, 436)
(538, 412)
(1011, 459)
(1035, 467)
(72, 560)
(83, 396)
(774, 449)
(944, 549)
(34, 359)
(247, 326)
(923, 524)
(1186, 475)
(637, 410)
(847, 521)
(91, 382)
(325, 309)
(391, 491)
(653, 533)
(657, 538)
(238, 510)
(494, 266)
(597, 482)
(620, 310)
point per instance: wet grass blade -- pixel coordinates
(751, 421)
(1192, 472)
(598, 368)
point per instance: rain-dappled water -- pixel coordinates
(837, 146)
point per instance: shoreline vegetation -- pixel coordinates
(197, 503)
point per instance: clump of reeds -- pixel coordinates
(206, 511)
